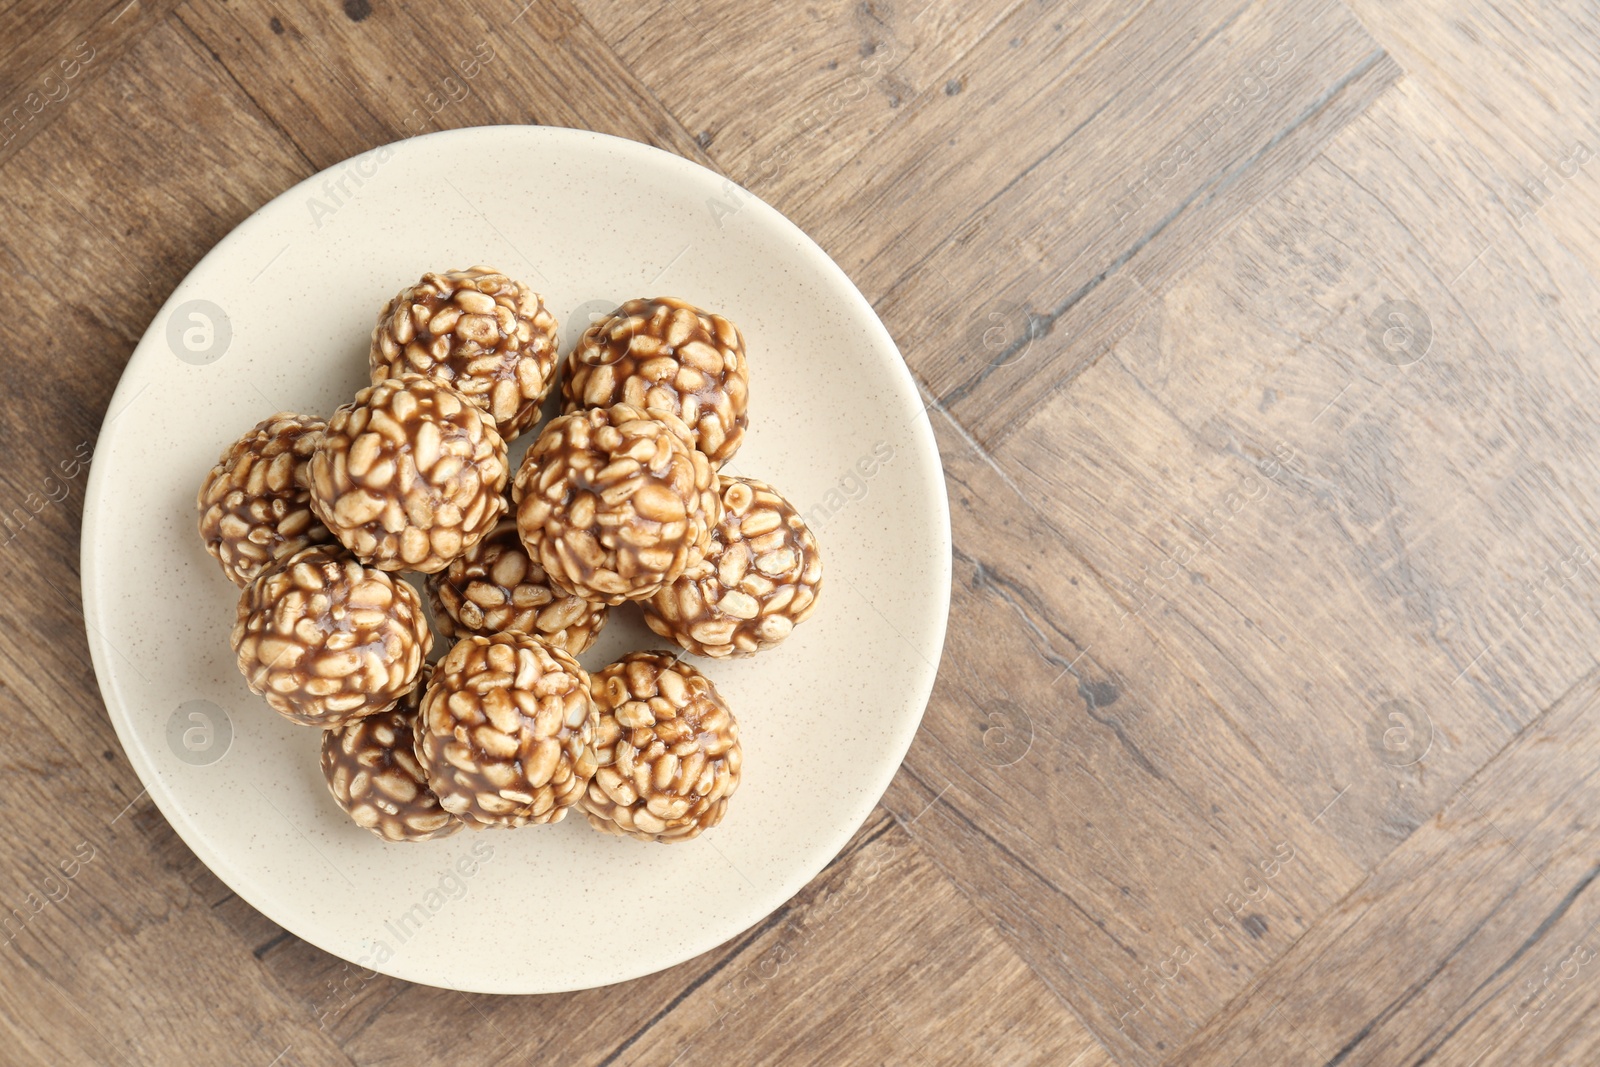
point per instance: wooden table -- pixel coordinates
(1265, 378)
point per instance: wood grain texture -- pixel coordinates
(89, 910)
(1485, 927)
(51, 52)
(268, 997)
(1064, 198)
(830, 79)
(940, 987)
(1363, 538)
(36, 33)
(1099, 174)
(336, 85)
(1408, 555)
(1089, 794)
(1264, 732)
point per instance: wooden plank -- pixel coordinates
(312, 67)
(52, 50)
(1331, 532)
(1433, 532)
(1205, 533)
(999, 332)
(901, 140)
(288, 70)
(1517, 79)
(1050, 195)
(91, 295)
(1474, 943)
(94, 916)
(1106, 813)
(936, 987)
(835, 76)
(36, 35)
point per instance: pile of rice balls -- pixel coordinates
(618, 500)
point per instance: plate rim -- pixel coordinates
(102, 656)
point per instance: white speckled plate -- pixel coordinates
(277, 317)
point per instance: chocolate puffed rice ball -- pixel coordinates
(758, 581)
(614, 504)
(666, 355)
(506, 731)
(667, 748)
(409, 475)
(254, 506)
(372, 771)
(327, 640)
(497, 587)
(478, 330)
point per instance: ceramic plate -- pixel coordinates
(277, 317)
